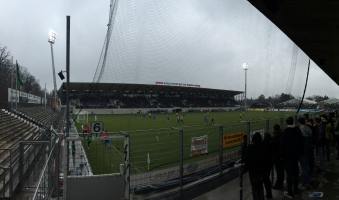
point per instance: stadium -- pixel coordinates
(167, 110)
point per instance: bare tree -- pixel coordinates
(5, 72)
(4, 56)
(30, 83)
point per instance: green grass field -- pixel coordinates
(158, 138)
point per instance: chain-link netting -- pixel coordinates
(104, 155)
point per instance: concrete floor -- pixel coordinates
(327, 183)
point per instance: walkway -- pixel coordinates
(327, 183)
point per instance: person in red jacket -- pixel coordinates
(85, 129)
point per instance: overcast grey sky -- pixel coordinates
(198, 42)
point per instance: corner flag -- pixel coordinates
(18, 75)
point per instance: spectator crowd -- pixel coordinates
(292, 151)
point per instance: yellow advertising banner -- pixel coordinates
(232, 139)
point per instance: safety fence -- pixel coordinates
(20, 164)
(47, 183)
(172, 158)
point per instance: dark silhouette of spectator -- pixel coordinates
(278, 162)
(291, 149)
(327, 127)
(305, 156)
(255, 157)
(268, 165)
(320, 141)
(336, 132)
(309, 123)
(331, 120)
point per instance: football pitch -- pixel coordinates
(154, 140)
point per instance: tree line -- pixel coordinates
(277, 99)
(30, 84)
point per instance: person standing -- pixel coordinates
(106, 142)
(205, 117)
(268, 165)
(309, 123)
(85, 130)
(254, 160)
(89, 140)
(327, 126)
(291, 148)
(278, 162)
(336, 132)
(320, 141)
(182, 119)
(305, 157)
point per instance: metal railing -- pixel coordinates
(19, 166)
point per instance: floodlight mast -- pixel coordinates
(51, 40)
(245, 67)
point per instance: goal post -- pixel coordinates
(82, 117)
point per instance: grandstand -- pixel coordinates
(19, 156)
(294, 103)
(136, 96)
(14, 129)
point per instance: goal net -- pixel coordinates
(82, 117)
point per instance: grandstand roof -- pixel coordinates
(331, 101)
(126, 87)
(298, 101)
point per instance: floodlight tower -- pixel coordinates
(51, 40)
(245, 67)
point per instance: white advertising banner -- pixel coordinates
(199, 145)
(23, 97)
(13, 95)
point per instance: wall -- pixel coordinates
(95, 187)
(159, 176)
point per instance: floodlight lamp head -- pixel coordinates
(52, 36)
(245, 66)
(62, 77)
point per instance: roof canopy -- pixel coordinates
(135, 88)
(331, 101)
(312, 25)
(297, 101)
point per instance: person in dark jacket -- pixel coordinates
(309, 123)
(336, 132)
(305, 156)
(278, 162)
(268, 165)
(326, 126)
(291, 148)
(254, 164)
(320, 141)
